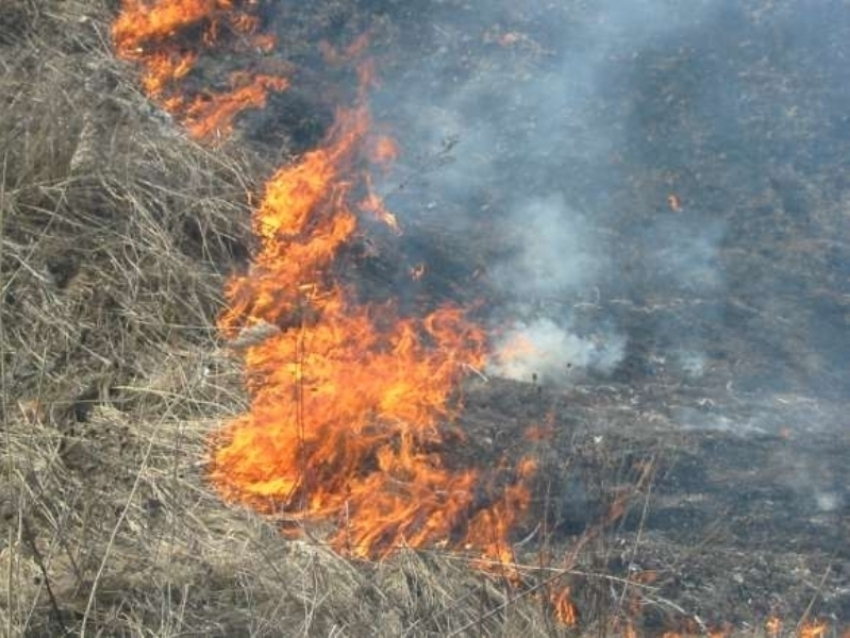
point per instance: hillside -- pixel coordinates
(675, 250)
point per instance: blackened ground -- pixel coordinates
(740, 114)
(733, 525)
(735, 300)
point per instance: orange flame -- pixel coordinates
(167, 37)
(564, 609)
(813, 629)
(373, 203)
(347, 400)
(213, 114)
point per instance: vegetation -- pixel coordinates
(117, 234)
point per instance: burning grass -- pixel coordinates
(118, 235)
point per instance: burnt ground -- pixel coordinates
(733, 526)
(734, 301)
(740, 115)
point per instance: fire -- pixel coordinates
(348, 400)
(373, 203)
(168, 37)
(213, 114)
(564, 609)
(773, 626)
(813, 629)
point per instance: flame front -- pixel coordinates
(348, 399)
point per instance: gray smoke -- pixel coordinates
(551, 249)
(550, 137)
(521, 139)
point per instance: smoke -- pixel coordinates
(550, 249)
(544, 350)
(653, 159)
(523, 140)
(552, 255)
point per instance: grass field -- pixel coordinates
(117, 234)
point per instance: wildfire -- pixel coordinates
(168, 37)
(348, 400)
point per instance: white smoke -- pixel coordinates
(544, 350)
(509, 141)
(551, 249)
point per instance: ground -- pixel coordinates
(681, 493)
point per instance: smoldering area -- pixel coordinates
(545, 144)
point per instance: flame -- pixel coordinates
(373, 203)
(773, 626)
(213, 114)
(167, 38)
(348, 400)
(564, 609)
(813, 629)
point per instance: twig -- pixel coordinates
(39, 560)
(808, 611)
(3, 395)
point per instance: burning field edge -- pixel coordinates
(118, 235)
